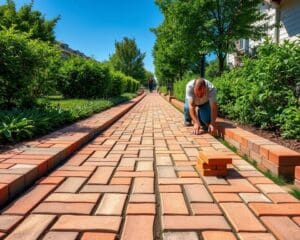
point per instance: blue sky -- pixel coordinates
(93, 26)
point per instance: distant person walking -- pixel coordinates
(201, 106)
(151, 84)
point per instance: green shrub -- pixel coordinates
(84, 78)
(23, 68)
(118, 83)
(163, 89)
(262, 91)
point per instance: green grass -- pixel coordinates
(49, 114)
(295, 192)
(279, 180)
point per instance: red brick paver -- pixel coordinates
(138, 180)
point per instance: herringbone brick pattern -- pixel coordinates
(138, 180)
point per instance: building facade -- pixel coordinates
(283, 23)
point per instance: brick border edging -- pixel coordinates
(269, 155)
(27, 164)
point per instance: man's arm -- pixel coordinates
(192, 110)
(213, 116)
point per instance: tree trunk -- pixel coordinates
(221, 58)
(202, 66)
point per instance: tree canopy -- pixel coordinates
(128, 59)
(27, 20)
(194, 27)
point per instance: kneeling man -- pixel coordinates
(201, 106)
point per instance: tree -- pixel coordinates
(129, 59)
(173, 55)
(213, 25)
(27, 20)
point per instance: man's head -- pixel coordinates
(199, 88)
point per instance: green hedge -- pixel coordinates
(31, 68)
(87, 78)
(84, 78)
(25, 67)
(263, 91)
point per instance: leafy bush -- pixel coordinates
(23, 68)
(118, 83)
(20, 124)
(163, 89)
(84, 78)
(263, 91)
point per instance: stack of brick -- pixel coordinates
(213, 163)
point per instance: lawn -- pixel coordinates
(49, 114)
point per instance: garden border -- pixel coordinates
(271, 156)
(29, 161)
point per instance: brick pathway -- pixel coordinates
(137, 180)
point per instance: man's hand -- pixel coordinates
(212, 129)
(196, 129)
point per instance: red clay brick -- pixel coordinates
(242, 218)
(232, 189)
(88, 223)
(71, 174)
(133, 174)
(142, 198)
(71, 185)
(180, 236)
(28, 201)
(140, 209)
(217, 235)
(215, 157)
(143, 185)
(282, 198)
(176, 181)
(64, 208)
(259, 180)
(70, 197)
(7, 222)
(197, 193)
(3, 194)
(205, 209)
(111, 204)
(227, 197)
(101, 175)
(256, 236)
(170, 188)
(32, 227)
(282, 227)
(138, 227)
(184, 174)
(187, 223)
(297, 220)
(105, 189)
(98, 236)
(173, 204)
(61, 236)
(51, 180)
(267, 209)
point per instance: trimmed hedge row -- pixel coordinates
(87, 78)
(31, 68)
